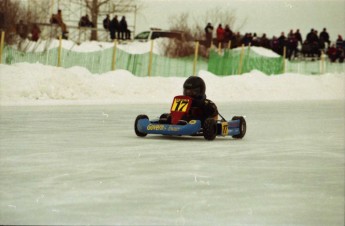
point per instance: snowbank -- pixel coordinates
(37, 84)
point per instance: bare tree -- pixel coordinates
(118, 6)
(11, 12)
(216, 15)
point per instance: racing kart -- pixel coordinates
(173, 123)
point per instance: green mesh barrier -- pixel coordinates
(101, 61)
(228, 63)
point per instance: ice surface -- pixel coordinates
(78, 165)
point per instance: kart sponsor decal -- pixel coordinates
(173, 128)
(155, 127)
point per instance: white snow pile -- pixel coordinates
(134, 47)
(37, 84)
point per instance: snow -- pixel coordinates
(37, 84)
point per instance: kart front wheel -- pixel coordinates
(242, 126)
(210, 129)
(137, 132)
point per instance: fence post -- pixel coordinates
(195, 57)
(150, 59)
(241, 59)
(2, 45)
(322, 62)
(229, 44)
(219, 48)
(59, 51)
(284, 59)
(113, 65)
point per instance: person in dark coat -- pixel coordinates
(282, 43)
(298, 36)
(208, 34)
(324, 37)
(113, 28)
(125, 33)
(22, 29)
(106, 22)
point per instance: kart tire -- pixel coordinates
(243, 127)
(137, 132)
(210, 129)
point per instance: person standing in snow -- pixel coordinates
(106, 22)
(113, 28)
(220, 35)
(125, 33)
(208, 33)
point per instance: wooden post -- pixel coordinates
(241, 59)
(284, 59)
(150, 59)
(322, 62)
(195, 57)
(229, 44)
(113, 65)
(59, 51)
(219, 47)
(2, 45)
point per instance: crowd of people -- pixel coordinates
(117, 29)
(294, 44)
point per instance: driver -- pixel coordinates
(201, 108)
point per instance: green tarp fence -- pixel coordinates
(101, 61)
(234, 62)
(229, 62)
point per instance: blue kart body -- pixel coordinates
(192, 128)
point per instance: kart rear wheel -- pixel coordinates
(242, 126)
(210, 129)
(137, 132)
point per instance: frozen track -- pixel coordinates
(84, 165)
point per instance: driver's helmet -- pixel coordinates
(194, 87)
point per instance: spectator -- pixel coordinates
(114, 27)
(247, 39)
(220, 35)
(324, 38)
(35, 32)
(264, 42)
(298, 36)
(85, 21)
(227, 34)
(125, 33)
(292, 44)
(281, 43)
(255, 40)
(22, 29)
(106, 22)
(339, 42)
(275, 45)
(208, 34)
(332, 53)
(57, 19)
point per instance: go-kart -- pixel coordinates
(173, 123)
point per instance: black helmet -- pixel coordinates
(194, 87)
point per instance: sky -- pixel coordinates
(260, 16)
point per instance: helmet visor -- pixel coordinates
(191, 92)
